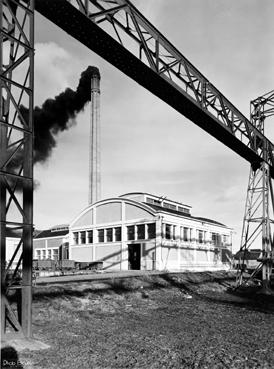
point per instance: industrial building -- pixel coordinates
(51, 243)
(147, 232)
(138, 231)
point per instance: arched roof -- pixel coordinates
(113, 212)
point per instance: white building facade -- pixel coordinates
(144, 232)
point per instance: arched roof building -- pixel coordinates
(143, 231)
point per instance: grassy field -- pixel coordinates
(168, 321)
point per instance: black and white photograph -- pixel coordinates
(136, 184)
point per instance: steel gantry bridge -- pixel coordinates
(119, 33)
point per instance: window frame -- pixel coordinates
(200, 239)
(76, 238)
(168, 231)
(55, 254)
(185, 234)
(119, 233)
(153, 231)
(100, 233)
(141, 231)
(109, 234)
(82, 237)
(129, 233)
(90, 236)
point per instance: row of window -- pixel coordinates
(141, 231)
(110, 234)
(147, 231)
(187, 234)
(47, 254)
(103, 235)
(169, 232)
(167, 205)
(134, 232)
(83, 237)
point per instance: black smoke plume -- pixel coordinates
(55, 116)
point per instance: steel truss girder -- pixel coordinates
(119, 33)
(16, 165)
(261, 108)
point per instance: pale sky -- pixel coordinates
(146, 145)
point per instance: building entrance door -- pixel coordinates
(134, 257)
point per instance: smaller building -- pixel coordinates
(247, 259)
(148, 232)
(52, 244)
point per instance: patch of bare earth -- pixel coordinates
(151, 322)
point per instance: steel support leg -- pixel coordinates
(16, 165)
(257, 223)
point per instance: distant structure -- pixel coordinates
(51, 244)
(94, 152)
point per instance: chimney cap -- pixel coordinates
(93, 71)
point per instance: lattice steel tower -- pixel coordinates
(259, 210)
(16, 165)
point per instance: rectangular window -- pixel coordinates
(55, 254)
(130, 233)
(185, 236)
(90, 237)
(82, 237)
(117, 234)
(75, 238)
(101, 237)
(169, 206)
(183, 210)
(38, 254)
(168, 232)
(151, 230)
(192, 235)
(49, 254)
(216, 239)
(109, 235)
(219, 240)
(43, 254)
(141, 234)
(200, 236)
(149, 200)
(174, 232)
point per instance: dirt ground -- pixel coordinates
(167, 321)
